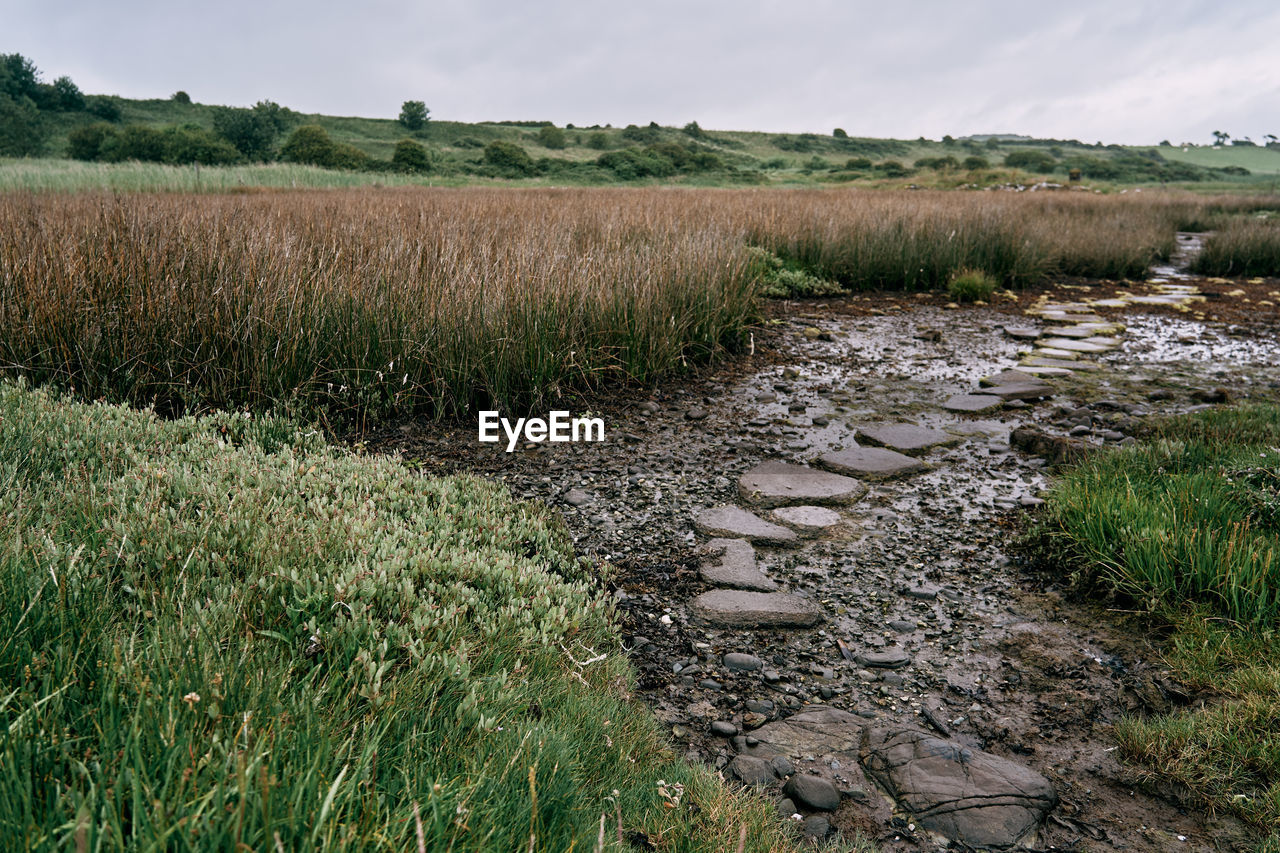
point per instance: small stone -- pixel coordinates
(741, 662)
(782, 765)
(752, 771)
(786, 807)
(753, 720)
(696, 413)
(723, 729)
(731, 608)
(902, 626)
(813, 791)
(760, 706)
(891, 658)
(972, 403)
(709, 684)
(576, 497)
(806, 519)
(773, 484)
(816, 827)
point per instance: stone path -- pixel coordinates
(956, 791)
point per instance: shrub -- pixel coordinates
(893, 169)
(839, 133)
(311, 144)
(971, 286)
(135, 142)
(65, 96)
(85, 143)
(692, 129)
(194, 144)
(22, 130)
(780, 280)
(937, 163)
(632, 133)
(252, 131)
(550, 136)
(508, 159)
(413, 115)
(1032, 160)
(973, 161)
(857, 164)
(598, 140)
(180, 97)
(410, 156)
(105, 107)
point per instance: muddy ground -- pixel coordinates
(1000, 657)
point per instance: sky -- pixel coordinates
(1114, 71)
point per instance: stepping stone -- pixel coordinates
(732, 562)
(733, 608)
(1075, 346)
(1110, 303)
(906, 438)
(1069, 364)
(872, 463)
(1103, 341)
(1005, 377)
(1023, 333)
(1064, 317)
(1050, 352)
(884, 659)
(734, 522)
(779, 483)
(1073, 332)
(1102, 328)
(970, 796)
(972, 403)
(1033, 390)
(806, 519)
(1044, 371)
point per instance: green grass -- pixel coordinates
(1259, 160)
(222, 634)
(1242, 247)
(1187, 526)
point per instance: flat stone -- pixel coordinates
(576, 497)
(871, 463)
(736, 523)
(1072, 332)
(972, 403)
(906, 438)
(1044, 371)
(723, 728)
(752, 771)
(816, 827)
(806, 519)
(1109, 303)
(732, 608)
(1074, 346)
(732, 562)
(812, 791)
(969, 796)
(817, 730)
(1039, 361)
(1005, 377)
(892, 658)
(1052, 352)
(1103, 341)
(742, 662)
(1023, 333)
(773, 484)
(1033, 390)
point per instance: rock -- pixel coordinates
(1033, 390)
(774, 484)
(1212, 395)
(786, 808)
(730, 608)
(969, 796)
(972, 403)
(1071, 345)
(696, 413)
(813, 792)
(752, 771)
(818, 730)
(816, 827)
(871, 463)
(732, 563)
(1056, 450)
(891, 658)
(1023, 333)
(1044, 371)
(1005, 377)
(760, 706)
(1066, 364)
(806, 519)
(782, 765)
(734, 522)
(723, 729)
(741, 662)
(576, 497)
(906, 438)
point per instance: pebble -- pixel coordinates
(741, 662)
(723, 729)
(813, 791)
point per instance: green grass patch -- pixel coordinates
(780, 279)
(222, 634)
(1187, 526)
(971, 286)
(1242, 247)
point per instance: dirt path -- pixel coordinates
(928, 637)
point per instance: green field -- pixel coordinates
(1258, 160)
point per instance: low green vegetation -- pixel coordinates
(971, 286)
(1242, 247)
(1187, 527)
(780, 280)
(222, 634)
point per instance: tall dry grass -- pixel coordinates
(363, 301)
(368, 302)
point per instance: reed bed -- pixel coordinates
(368, 302)
(1243, 247)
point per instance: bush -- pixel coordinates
(311, 144)
(410, 156)
(508, 159)
(971, 286)
(65, 96)
(857, 164)
(413, 114)
(105, 107)
(135, 142)
(839, 133)
(692, 129)
(632, 133)
(195, 144)
(252, 131)
(550, 136)
(598, 140)
(780, 280)
(85, 143)
(22, 130)
(973, 161)
(893, 169)
(939, 164)
(180, 97)
(1032, 161)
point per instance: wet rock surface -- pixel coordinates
(997, 660)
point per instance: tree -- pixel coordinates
(19, 77)
(252, 131)
(311, 144)
(839, 133)
(413, 114)
(66, 96)
(550, 136)
(508, 158)
(22, 131)
(692, 129)
(410, 156)
(85, 143)
(1220, 138)
(180, 97)
(105, 107)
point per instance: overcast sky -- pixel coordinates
(1116, 71)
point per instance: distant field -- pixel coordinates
(1260, 161)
